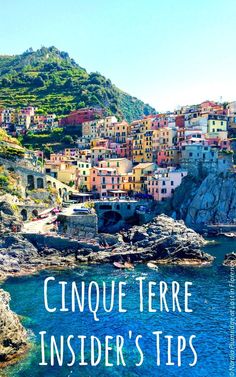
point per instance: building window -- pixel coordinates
(172, 183)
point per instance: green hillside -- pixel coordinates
(52, 81)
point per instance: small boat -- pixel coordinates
(82, 210)
(118, 265)
(230, 235)
(129, 265)
(153, 266)
(126, 265)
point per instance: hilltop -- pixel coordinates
(50, 80)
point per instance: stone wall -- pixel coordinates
(41, 241)
(79, 225)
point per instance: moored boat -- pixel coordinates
(125, 265)
(118, 265)
(152, 265)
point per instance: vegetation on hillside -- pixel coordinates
(10, 146)
(51, 141)
(55, 83)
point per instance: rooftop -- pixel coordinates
(143, 165)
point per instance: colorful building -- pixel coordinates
(162, 184)
(140, 174)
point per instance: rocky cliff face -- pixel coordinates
(211, 201)
(13, 336)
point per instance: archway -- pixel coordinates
(111, 218)
(35, 213)
(64, 194)
(40, 183)
(30, 182)
(24, 214)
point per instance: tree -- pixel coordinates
(68, 139)
(3, 181)
(38, 81)
(6, 82)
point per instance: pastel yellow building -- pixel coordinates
(140, 174)
(141, 132)
(121, 131)
(217, 123)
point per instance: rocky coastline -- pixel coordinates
(13, 337)
(163, 241)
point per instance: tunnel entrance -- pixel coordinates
(111, 218)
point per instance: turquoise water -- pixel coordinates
(209, 321)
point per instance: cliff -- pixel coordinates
(13, 336)
(211, 200)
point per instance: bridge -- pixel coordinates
(62, 189)
(114, 214)
(29, 211)
(31, 178)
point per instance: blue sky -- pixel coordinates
(167, 53)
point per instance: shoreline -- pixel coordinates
(163, 241)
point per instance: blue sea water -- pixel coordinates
(209, 321)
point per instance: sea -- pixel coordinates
(137, 342)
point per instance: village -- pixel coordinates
(147, 158)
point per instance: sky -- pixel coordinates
(166, 52)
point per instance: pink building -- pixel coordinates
(160, 121)
(104, 181)
(163, 184)
(217, 142)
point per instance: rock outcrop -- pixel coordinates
(230, 260)
(19, 257)
(163, 240)
(211, 201)
(13, 336)
(9, 218)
